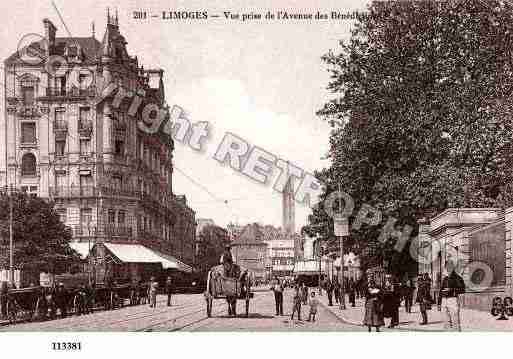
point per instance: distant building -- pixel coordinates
(249, 250)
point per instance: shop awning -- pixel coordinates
(137, 253)
(309, 267)
(82, 248)
(176, 263)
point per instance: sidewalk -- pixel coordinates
(471, 320)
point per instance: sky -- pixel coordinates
(261, 80)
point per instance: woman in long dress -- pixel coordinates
(373, 306)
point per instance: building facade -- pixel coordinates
(64, 139)
(478, 242)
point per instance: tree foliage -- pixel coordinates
(40, 238)
(421, 112)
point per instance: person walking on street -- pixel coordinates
(452, 287)
(313, 302)
(336, 290)
(351, 291)
(373, 306)
(329, 291)
(296, 303)
(277, 288)
(169, 290)
(424, 298)
(391, 301)
(409, 289)
(61, 300)
(152, 292)
(4, 290)
(304, 293)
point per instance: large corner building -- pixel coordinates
(111, 182)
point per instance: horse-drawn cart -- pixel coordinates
(23, 304)
(233, 287)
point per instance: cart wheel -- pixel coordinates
(247, 307)
(11, 312)
(209, 307)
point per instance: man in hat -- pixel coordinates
(169, 290)
(227, 261)
(152, 292)
(61, 298)
(452, 287)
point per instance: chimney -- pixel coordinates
(50, 31)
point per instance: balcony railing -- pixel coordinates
(74, 92)
(108, 230)
(73, 191)
(60, 125)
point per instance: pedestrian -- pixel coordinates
(409, 289)
(423, 298)
(277, 288)
(4, 290)
(313, 302)
(336, 290)
(304, 293)
(329, 291)
(351, 291)
(373, 306)
(152, 292)
(296, 303)
(62, 300)
(452, 287)
(169, 290)
(391, 298)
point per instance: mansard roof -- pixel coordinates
(89, 47)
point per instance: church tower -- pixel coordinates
(289, 213)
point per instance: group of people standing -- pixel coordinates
(383, 301)
(302, 296)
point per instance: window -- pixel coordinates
(72, 51)
(119, 148)
(62, 214)
(121, 217)
(60, 147)
(60, 123)
(85, 147)
(28, 165)
(28, 132)
(117, 182)
(27, 95)
(60, 85)
(86, 215)
(111, 216)
(86, 181)
(60, 181)
(84, 114)
(30, 190)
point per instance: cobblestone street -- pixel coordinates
(188, 313)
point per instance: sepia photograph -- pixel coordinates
(256, 166)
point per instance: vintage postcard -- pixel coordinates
(256, 166)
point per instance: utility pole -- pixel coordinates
(341, 229)
(11, 240)
(319, 252)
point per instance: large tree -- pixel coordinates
(40, 238)
(421, 112)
